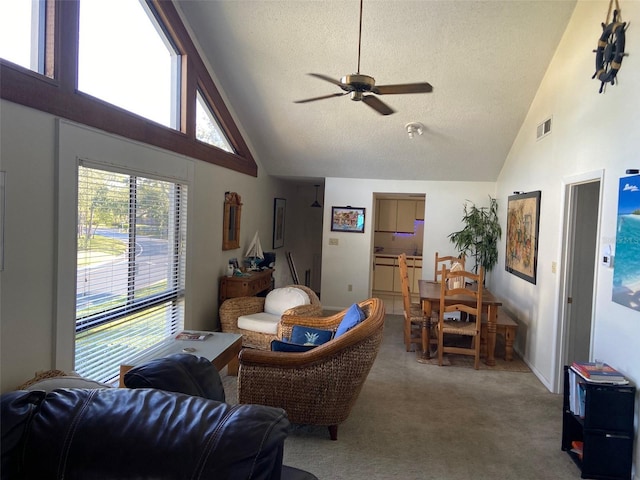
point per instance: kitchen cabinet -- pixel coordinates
(383, 275)
(396, 215)
(386, 274)
(387, 215)
(406, 216)
(420, 210)
(417, 274)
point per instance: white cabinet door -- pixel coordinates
(387, 215)
(420, 209)
(406, 216)
(417, 275)
(397, 281)
(383, 274)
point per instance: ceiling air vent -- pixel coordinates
(544, 129)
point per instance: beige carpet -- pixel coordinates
(420, 422)
(515, 365)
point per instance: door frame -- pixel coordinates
(562, 338)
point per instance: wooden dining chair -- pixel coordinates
(413, 316)
(447, 261)
(471, 289)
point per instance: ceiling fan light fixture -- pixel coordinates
(413, 128)
(316, 204)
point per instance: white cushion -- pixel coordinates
(281, 299)
(260, 322)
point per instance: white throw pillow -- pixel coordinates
(456, 282)
(281, 299)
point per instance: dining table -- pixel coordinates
(430, 295)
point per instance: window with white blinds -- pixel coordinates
(131, 238)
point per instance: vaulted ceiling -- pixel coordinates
(484, 59)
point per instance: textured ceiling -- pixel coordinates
(485, 60)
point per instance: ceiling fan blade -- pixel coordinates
(320, 98)
(343, 86)
(403, 88)
(378, 105)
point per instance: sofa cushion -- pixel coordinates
(284, 346)
(352, 317)
(309, 336)
(281, 299)
(260, 322)
(125, 434)
(181, 372)
(66, 381)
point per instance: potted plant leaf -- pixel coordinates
(479, 238)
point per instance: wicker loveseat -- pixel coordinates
(320, 386)
(233, 308)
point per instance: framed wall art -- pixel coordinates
(279, 207)
(523, 223)
(347, 219)
(626, 267)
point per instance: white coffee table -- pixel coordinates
(222, 349)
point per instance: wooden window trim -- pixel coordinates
(59, 96)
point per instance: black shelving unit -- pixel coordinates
(606, 429)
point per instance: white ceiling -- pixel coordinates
(485, 60)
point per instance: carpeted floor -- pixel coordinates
(515, 365)
(424, 422)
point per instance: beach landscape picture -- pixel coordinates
(626, 270)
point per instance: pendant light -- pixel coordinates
(316, 204)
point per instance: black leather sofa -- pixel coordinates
(140, 433)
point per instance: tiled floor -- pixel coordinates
(393, 302)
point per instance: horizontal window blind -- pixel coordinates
(131, 267)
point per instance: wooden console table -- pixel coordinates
(249, 286)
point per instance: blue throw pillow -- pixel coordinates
(352, 318)
(280, 346)
(309, 336)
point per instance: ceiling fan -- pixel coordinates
(358, 85)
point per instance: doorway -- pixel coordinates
(581, 220)
(398, 228)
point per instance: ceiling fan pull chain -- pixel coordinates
(360, 37)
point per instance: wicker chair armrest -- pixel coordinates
(307, 320)
(233, 308)
(267, 358)
(284, 360)
(304, 311)
(320, 386)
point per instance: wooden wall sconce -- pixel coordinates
(231, 227)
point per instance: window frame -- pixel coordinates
(59, 95)
(134, 305)
(77, 143)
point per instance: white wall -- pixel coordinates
(27, 308)
(591, 132)
(350, 262)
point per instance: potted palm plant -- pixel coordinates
(479, 238)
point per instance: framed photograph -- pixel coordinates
(279, 206)
(347, 219)
(523, 223)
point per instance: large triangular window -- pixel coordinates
(208, 129)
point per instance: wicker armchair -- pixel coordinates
(233, 308)
(320, 386)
